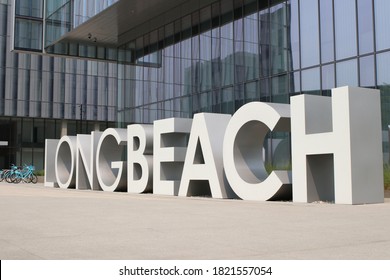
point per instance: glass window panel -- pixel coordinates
(31, 8)
(278, 38)
(346, 73)
(53, 5)
(382, 23)
(264, 90)
(28, 34)
(39, 133)
(239, 95)
(84, 9)
(252, 92)
(366, 27)
(27, 156)
(3, 21)
(227, 59)
(345, 28)
(239, 55)
(383, 80)
(311, 81)
(295, 83)
(227, 101)
(205, 49)
(327, 47)
(310, 47)
(216, 55)
(294, 34)
(50, 129)
(264, 41)
(383, 69)
(367, 71)
(328, 77)
(59, 22)
(251, 47)
(279, 89)
(27, 131)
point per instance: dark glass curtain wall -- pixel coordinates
(237, 51)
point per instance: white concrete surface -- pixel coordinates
(52, 223)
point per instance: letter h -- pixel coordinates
(337, 147)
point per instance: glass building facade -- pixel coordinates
(213, 58)
(236, 51)
(44, 96)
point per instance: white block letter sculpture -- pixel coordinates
(86, 178)
(110, 165)
(170, 146)
(50, 156)
(139, 158)
(337, 147)
(243, 151)
(65, 162)
(203, 166)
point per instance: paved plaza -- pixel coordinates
(50, 223)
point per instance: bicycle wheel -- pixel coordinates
(34, 178)
(10, 177)
(27, 179)
(14, 178)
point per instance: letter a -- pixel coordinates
(204, 162)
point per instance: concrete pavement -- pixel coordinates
(47, 223)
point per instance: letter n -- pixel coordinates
(86, 178)
(337, 147)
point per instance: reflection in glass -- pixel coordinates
(252, 92)
(28, 34)
(327, 42)
(383, 81)
(280, 89)
(293, 20)
(251, 47)
(345, 28)
(85, 9)
(382, 23)
(366, 26)
(264, 41)
(265, 91)
(367, 71)
(311, 81)
(31, 8)
(295, 83)
(239, 55)
(310, 54)
(278, 24)
(383, 68)
(346, 73)
(205, 49)
(328, 79)
(227, 54)
(227, 101)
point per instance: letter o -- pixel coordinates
(65, 161)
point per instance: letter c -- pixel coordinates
(243, 151)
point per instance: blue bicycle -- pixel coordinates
(26, 175)
(8, 174)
